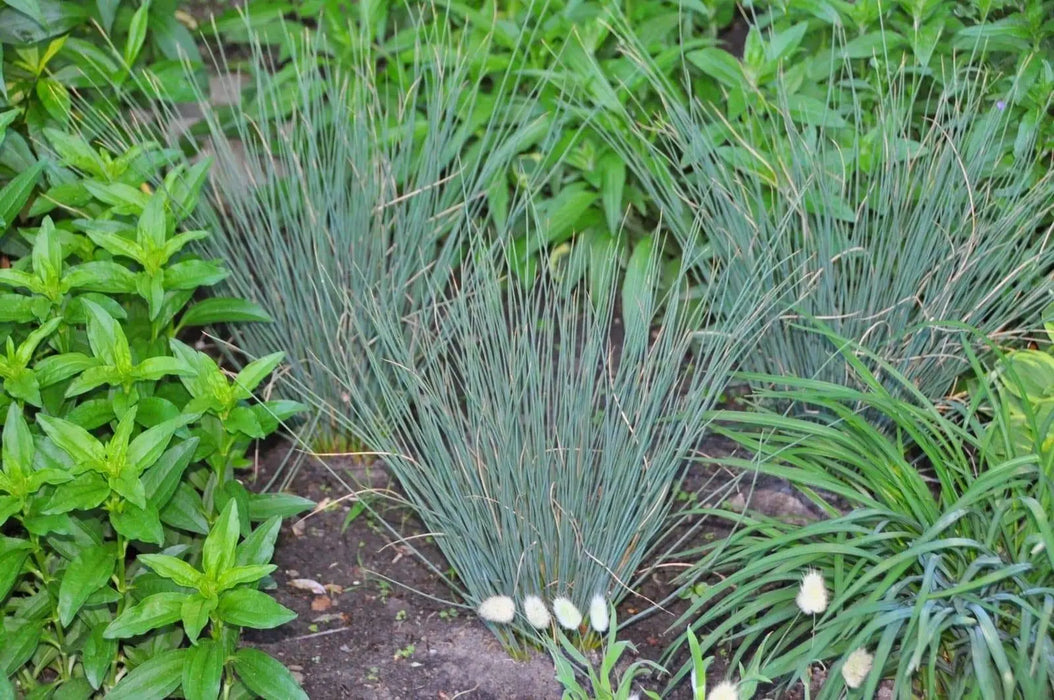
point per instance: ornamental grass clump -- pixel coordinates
(935, 557)
(894, 235)
(332, 181)
(539, 432)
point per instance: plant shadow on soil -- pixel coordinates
(362, 633)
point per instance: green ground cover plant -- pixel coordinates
(56, 52)
(932, 561)
(132, 557)
(934, 232)
(585, 193)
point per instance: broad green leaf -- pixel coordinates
(221, 543)
(638, 287)
(238, 575)
(87, 573)
(246, 607)
(136, 34)
(195, 614)
(183, 186)
(612, 183)
(719, 64)
(101, 276)
(191, 274)
(16, 193)
(255, 372)
(152, 229)
(55, 98)
(107, 12)
(139, 524)
(106, 338)
(17, 308)
(172, 568)
(153, 368)
(13, 553)
(85, 492)
(154, 611)
(19, 645)
(156, 678)
(75, 152)
(97, 655)
(258, 547)
(30, 8)
(814, 112)
(267, 505)
(185, 511)
(74, 441)
(203, 671)
(266, 676)
(9, 505)
(149, 445)
(162, 479)
(223, 310)
(16, 451)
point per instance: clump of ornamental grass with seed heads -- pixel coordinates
(335, 182)
(540, 432)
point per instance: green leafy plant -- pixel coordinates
(126, 534)
(1025, 380)
(936, 234)
(931, 564)
(572, 664)
(586, 196)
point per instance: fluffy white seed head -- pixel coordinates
(856, 667)
(536, 612)
(566, 613)
(812, 596)
(498, 608)
(598, 613)
(723, 691)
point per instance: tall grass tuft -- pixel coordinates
(891, 234)
(935, 551)
(540, 432)
(331, 183)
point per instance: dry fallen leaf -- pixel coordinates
(321, 603)
(308, 584)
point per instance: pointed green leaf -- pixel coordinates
(223, 310)
(88, 572)
(258, 547)
(74, 441)
(222, 541)
(97, 655)
(16, 452)
(195, 614)
(154, 679)
(203, 671)
(177, 570)
(85, 492)
(266, 676)
(239, 575)
(154, 611)
(139, 524)
(246, 607)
